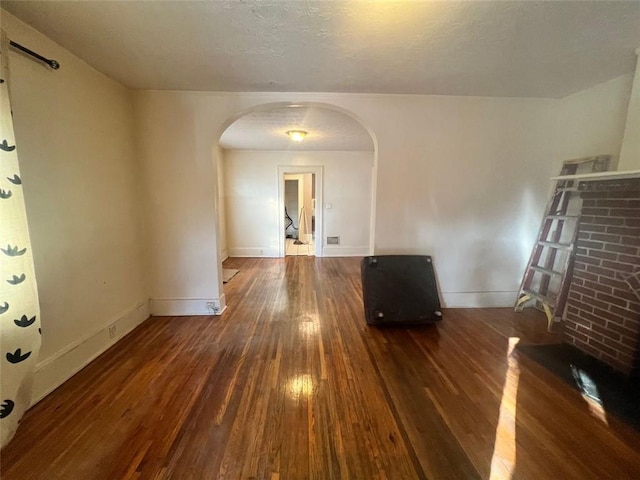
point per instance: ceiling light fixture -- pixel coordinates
(297, 135)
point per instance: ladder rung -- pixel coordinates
(542, 298)
(546, 271)
(557, 246)
(561, 217)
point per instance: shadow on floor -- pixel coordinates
(616, 393)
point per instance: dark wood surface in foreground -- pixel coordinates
(291, 384)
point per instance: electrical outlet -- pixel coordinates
(212, 307)
(112, 331)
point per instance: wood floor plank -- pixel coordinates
(290, 383)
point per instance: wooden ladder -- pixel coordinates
(545, 283)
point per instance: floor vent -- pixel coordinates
(333, 240)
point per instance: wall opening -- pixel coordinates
(255, 153)
(299, 214)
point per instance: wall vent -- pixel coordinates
(333, 240)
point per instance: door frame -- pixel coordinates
(319, 210)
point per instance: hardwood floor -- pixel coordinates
(291, 384)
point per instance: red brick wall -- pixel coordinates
(603, 308)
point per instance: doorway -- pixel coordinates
(299, 212)
(256, 150)
(300, 201)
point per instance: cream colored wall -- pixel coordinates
(630, 152)
(308, 201)
(464, 179)
(592, 122)
(252, 198)
(74, 132)
(305, 187)
(461, 178)
(179, 165)
(222, 219)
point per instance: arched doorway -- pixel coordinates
(254, 154)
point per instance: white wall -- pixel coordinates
(74, 132)
(466, 183)
(461, 178)
(464, 179)
(592, 122)
(252, 199)
(221, 211)
(307, 201)
(630, 152)
(180, 168)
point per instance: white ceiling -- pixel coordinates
(523, 48)
(327, 130)
(495, 48)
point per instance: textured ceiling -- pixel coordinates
(327, 130)
(523, 48)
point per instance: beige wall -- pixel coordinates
(222, 218)
(251, 185)
(592, 122)
(630, 154)
(307, 181)
(74, 132)
(461, 178)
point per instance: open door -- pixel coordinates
(300, 225)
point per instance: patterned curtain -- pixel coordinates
(19, 310)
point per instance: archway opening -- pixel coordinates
(254, 155)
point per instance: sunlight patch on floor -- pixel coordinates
(590, 394)
(503, 461)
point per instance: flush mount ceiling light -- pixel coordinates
(297, 135)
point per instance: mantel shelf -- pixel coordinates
(590, 177)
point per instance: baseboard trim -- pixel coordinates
(330, 251)
(254, 252)
(53, 371)
(177, 307)
(478, 299)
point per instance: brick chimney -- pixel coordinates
(603, 308)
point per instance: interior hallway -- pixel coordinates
(303, 250)
(290, 383)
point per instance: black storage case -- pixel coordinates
(399, 290)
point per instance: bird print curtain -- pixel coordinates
(19, 310)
